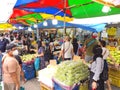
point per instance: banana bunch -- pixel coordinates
(111, 48)
(27, 57)
(111, 31)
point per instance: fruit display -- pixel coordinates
(111, 48)
(116, 55)
(27, 58)
(71, 72)
(111, 31)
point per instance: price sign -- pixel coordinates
(53, 62)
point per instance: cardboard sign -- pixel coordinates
(76, 58)
(53, 62)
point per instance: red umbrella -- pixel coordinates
(60, 4)
(19, 12)
(77, 8)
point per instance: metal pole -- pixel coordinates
(37, 31)
(64, 33)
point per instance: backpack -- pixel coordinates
(47, 54)
(1, 67)
(104, 74)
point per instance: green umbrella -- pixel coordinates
(31, 18)
(88, 8)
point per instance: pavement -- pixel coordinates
(33, 84)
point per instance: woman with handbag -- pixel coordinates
(106, 53)
(67, 51)
(96, 69)
(41, 53)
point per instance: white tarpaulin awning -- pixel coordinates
(96, 20)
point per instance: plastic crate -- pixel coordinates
(29, 74)
(114, 80)
(27, 67)
(114, 72)
(58, 86)
(45, 87)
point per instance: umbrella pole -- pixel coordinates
(37, 30)
(64, 28)
(64, 18)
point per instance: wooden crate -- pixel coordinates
(45, 87)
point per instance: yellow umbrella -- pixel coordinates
(6, 26)
(50, 16)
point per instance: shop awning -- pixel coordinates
(92, 28)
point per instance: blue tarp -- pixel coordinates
(98, 27)
(22, 2)
(48, 10)
(61, 25)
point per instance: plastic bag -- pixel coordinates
(37, 63)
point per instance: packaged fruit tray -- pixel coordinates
(114, 80)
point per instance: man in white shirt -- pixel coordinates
(67, 52)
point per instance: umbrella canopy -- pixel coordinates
(78, 8)
(35, 18)
(22, 2)
(7, 26)
(48, 10)
(88, 8)
(58, 4)
(18, 13)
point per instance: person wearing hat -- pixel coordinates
(88, 45)
(11, 69)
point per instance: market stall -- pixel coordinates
(54, 77)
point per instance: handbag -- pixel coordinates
(37, 63)
(104, 74)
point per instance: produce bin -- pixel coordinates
(29, 71)
(28, 67)
(114, 72)
(45, 87)
(29, 74)
(60, 86)
(114, 80)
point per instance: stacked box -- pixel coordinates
(45, 87)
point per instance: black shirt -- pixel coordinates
(3, 44)
(18, 59)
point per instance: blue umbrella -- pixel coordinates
(48, 10)
(22, 2)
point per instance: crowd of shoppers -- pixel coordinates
(93, 53)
